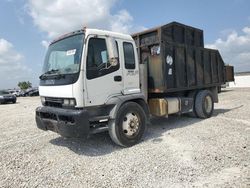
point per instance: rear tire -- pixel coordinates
(129, 125)
(204, 104)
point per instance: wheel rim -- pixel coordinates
(131, 125)
(208, 104)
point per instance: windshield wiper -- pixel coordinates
(51, 73)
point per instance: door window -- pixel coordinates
(129, 55)
(97, 59)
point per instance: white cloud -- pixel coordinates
(121, 22)
(61, 16)
(7, 54)
(235, 49)
(12, 69)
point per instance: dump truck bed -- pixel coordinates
(177, 59)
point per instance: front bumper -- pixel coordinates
(66, 122)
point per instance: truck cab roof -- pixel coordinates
(89, 31)
(108, 33)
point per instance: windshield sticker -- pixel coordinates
(71, 52)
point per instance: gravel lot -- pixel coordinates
(176, 152)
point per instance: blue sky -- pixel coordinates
(28, 25)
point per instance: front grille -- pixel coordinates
(53, 102)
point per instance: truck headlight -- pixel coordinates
(69, 102)
(42, 100)
(72, 102)
(66, 102)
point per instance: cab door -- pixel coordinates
(102, 80)
(130, 68)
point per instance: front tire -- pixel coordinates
(204, 104)
(129, 125)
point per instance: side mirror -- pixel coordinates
(112, 50)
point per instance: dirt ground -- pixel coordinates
(175, 152)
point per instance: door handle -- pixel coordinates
(117, 78)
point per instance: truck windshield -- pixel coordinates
(64, 56)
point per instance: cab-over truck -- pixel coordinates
(95, 80)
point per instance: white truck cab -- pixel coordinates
(87, 76)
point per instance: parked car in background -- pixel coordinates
(15, 92)
(34, 92)
(7, 97)
(30, 92)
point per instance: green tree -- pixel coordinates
(24, 85)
